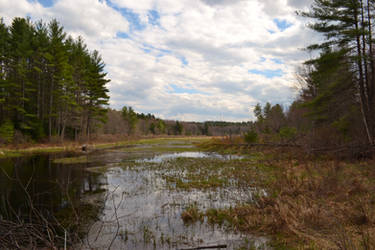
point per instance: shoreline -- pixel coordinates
(10, 151)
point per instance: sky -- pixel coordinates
(191, 60)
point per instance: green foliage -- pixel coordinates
(342, 125)
(49, 82)
(288, 133)
(152, 128)
(251, 137)
(258, 112)
(131, 117)
(269, 118)
(161, 126)
(343, 75)
(37, 131)
(178, 128)
(7, 131)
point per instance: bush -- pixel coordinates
(288, 133)
(251, 137)
(7, 132)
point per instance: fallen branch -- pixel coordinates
(204, 247)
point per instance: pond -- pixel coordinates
(140, 194)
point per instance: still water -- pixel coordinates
(137, 207)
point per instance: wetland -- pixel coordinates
(152, 194)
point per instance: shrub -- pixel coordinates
(7, 132)
(251, 137)
(288, 133)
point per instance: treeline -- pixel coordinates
(51, 85)
(336, 105)
(129, 122)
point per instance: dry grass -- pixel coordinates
(311, 204)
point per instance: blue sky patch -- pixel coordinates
(122, 35)
(153, 17)
(148, 48)
(147, 51)
(268, 73)
(277, 61)
(282, 24)
(44, 3)
(183, 60)
(181, 90)
(132, 17)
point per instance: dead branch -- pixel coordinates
(204, 247)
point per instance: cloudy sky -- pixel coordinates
(187, 59)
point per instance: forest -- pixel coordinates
(52, 86)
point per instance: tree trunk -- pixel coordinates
(50, 111)
(362, 95)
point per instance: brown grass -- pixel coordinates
(312, 203)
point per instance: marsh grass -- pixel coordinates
(163, 142)
(71, 160)
(205, 173)
(312, 203)
(192, 214)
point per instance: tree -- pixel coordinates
(347, 27)
(178, 128)
(49, 83)
(4, 63)
(131, 117)
(258, 112)
(161, 126)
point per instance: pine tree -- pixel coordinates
(21, 89)
(49, 84)
(4, 62)
(346, 25)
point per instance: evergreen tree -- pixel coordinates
(347, 27)
(131, 117)
(49, 84)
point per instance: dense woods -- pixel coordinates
(51, 85)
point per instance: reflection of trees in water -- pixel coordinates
(40, 200)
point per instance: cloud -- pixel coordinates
(187, 59)
(221, 2)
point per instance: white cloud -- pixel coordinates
(204, 45)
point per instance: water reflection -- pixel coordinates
(34, 189)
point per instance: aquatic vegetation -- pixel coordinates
(71, 160)
(191, 214)
(310, 203)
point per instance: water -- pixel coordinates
(139, 209)
(168, 156)
(35, 190)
